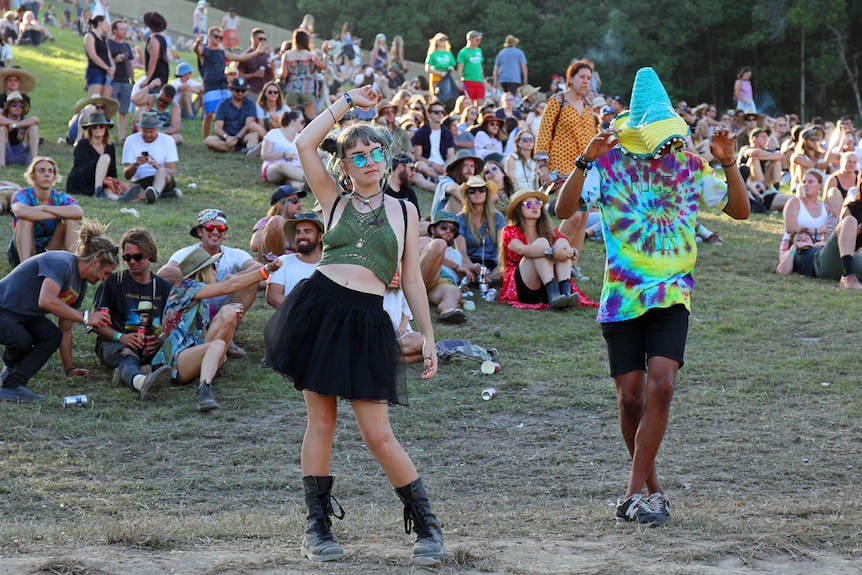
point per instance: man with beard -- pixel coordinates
(211, 228)
(398, 185)
(236, 126)
(267, 236)
(305, 229)
(459, 170)
(150, 159)
(440, 263)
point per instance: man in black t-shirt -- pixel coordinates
(398, 185)
(136, 298)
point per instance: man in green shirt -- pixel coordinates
(470, 61)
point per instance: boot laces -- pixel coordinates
(414, 517)
(325, 511)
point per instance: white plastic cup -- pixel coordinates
(468, 305)
(489, 367)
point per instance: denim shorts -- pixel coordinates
(97, 77)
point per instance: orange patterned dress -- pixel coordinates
(571, 136)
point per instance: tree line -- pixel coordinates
(804, 53)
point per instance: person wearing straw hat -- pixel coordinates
(135, 298)
(16, 80)
(196, 342)
(82, 110)
(536, 260)
(211, 228)
(510, 66)
(648, 189)
(464, 165)
(19, 138)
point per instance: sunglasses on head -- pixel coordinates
(306, 216)
(221, 228)
(472, 191)
(361, 160)
(530, 204)
(129, 257)
(447, 227)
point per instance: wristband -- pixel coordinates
(728, 165)
(86, 317)
(583, 164)
(117, 336)
(349, 100)
(264, 273)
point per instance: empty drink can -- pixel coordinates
(489, 393)
(75, 401)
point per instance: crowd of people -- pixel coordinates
(496, 158)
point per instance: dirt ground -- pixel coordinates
(523, 556)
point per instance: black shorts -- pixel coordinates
(659, 332)
(527, 295)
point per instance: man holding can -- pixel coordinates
(441, 267)
(135, 299)
(648, 189)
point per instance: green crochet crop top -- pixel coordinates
(365, 240)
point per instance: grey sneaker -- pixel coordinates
(659, 504)
(578, 276)
(19, 395)
(635, 509)
(151, 194)
(155, 380)
(206, 401)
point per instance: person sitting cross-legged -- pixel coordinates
(150, 159)
(236, 125)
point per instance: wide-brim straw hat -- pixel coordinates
(518, 198)
(652, 121)
(26, 80)
(197, 260)
(477, 182)
(111, 106)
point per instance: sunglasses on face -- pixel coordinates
(272, 92)
(241, 90)
(446, 227)
(129, 257)
(217, 36)
(293, 200)
(361, 160)
(472, 191)
(220, 228)
(492, 169)
(435, 112)
(16, 104)
(531, 140)
(530, 204)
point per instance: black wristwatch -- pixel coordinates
(583, 164)
(549, 252)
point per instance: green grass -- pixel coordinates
(760, 458)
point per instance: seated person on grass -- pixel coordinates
(168, 111)
(135, 298)
(765, 170)
(268, 237)
(43, 219)
(833, 259)
(236, 125)
(441, 267)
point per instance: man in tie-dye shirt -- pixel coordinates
(648, 190)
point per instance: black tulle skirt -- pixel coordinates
(336, 341)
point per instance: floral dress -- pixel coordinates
(182, 322)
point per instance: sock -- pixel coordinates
(138, 381)
(701, 231)
(847, 265)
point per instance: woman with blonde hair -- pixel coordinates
(396, 55)
(439, 60)
(480, 225)
(299, 67)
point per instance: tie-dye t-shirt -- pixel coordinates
(649, 213)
